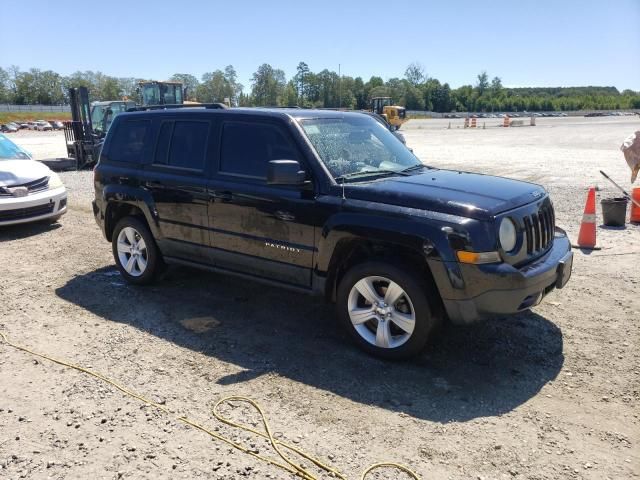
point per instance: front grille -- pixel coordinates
(22, 213)
(539, 229)
(35, 186)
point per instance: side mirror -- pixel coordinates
(285, 172)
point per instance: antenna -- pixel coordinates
(343, 196)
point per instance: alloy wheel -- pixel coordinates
(381, 312)
(132, 251)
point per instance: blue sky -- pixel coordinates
(526, 43)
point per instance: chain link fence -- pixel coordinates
(34, 108)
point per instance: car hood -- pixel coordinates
(458, 193)
(18, 172)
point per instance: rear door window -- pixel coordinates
(188, 145)
(182, 144)
(128, 142)
(248, 147)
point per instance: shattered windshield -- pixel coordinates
(357, 147)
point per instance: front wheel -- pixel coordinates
(135, 251)
(386, 309)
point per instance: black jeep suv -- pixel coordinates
(329, 203)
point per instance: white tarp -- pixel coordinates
(631, 150)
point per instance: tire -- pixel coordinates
(126, 245)
(396, 331)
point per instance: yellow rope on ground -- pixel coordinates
(289, 465)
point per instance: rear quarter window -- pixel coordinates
(128, 142)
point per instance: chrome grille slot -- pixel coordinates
(35, 186)
(528, 228)
(536, 232)
(539, 229)
(38, 185)
(543, 229)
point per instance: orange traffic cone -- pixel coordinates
(587, 236)
(635, 209)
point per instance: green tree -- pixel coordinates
(111, 89)
(414, 98)
(301, 76)
(38, 87)
(5, 92)
(291, 94)
(189, 82)
(397, 90)
(496, 86)
(441, 98)
(415, 74)
(129, 87)
(267, 86)
(234, 89)
(359, 94)
(483, 82)
(463, 98)
(213, 88)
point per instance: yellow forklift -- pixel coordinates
(394, 114)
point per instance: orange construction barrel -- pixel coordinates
(635, 209)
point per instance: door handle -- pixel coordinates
(224, 197)
(286, 216)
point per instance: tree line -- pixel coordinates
(325, 89)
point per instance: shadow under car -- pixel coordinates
(468, 372)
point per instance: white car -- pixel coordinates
(43, 126)
(29, 190)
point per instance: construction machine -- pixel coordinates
(89, 124)
(161, 93)
(83, 142)
(102, 113)
(394, 114)
(84, 134)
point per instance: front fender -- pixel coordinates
(348, 226)
(429, 234)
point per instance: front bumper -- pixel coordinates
(498, 289)
(34, 207)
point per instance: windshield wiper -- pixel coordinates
(368, 173)
(414, 167)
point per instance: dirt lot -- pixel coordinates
(548, 394)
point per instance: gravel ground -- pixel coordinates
(552, 393)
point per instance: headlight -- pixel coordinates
(54, 181)
(508, 236)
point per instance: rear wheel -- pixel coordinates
(386, 309)
(135, 251)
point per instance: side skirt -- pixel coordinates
(266, 281)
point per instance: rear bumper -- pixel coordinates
(32, 208)
(499, 289)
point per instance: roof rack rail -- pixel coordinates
(208, 106)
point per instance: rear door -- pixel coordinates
(260, 229)
(177, 180)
